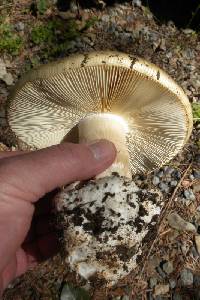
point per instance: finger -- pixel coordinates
(16, 267)
(32, 175)
(7, 154)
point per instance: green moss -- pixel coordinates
(54, 37)
(196, 112)
(10, 42)
(42, 6)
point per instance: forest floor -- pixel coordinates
(34, 34)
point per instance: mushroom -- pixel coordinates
(142, 111)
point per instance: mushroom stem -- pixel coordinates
(111, 127)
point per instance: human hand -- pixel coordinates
(25, 177)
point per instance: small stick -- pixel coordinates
(164, 212)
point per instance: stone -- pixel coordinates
(196, 187)
(136, 3)
(177, 296)
(164, 187)
(197, 243)
(186, 277)
(152, 282)
(125, 297)
(189, 195)
(173, 183)
(160, 174)
(168, 267)
(19, 26)
(196, 280)
(156, 180)
(4, 75)
(176, 222)
(172, 283)
(196, 174)
(161, 289)
(160, 272)
(105, 18)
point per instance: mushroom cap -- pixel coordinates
(49, 101)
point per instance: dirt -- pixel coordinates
(131, 29)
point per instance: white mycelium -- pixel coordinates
(106, 221)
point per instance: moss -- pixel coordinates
(196, 112)
(54, 37)
(10, 42)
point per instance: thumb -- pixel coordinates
(31, 175)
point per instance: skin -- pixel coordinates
(26, 180)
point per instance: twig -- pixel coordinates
(164, 212)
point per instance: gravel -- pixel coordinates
(176, 222)
(164, 187)
(186, 277)
(156, 180)
(172, 283)
(152, 282)
(196, 174)
(189, 195)
(168, 267)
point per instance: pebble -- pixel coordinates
(173, 183)
(196, 174)
(164, 187)
(196, 280)
(19, 26)
(160, 174)
(176, 222)
(177, 296)
(172, 283)
(152, 282)
(186, 277)
(156, 180)
(160, 272)
(105, 18)
(194, 252)
(197, 242)
(161, 289)
(196, 187)
(189, 195)
(168, 267)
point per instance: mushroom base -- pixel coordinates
(105, 223)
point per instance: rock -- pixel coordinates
(194, 252)
(177, 174)
(137, 3)
(176, 222)
(196, 187)
(156, 180)
(164, 187)
(6, 77)
(73, 293)
(186, 277)
(196, 280)
(126, 297)
(19, 26)
(177, 296)
(160, 174)
(160, 272)
(189, 195)
(172, 283)
(173, 183)
(197, 243)
(196, 174)
(152, 282)
(161, 289)
(168, 267)
(105, 18)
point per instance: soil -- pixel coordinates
(130, 28)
